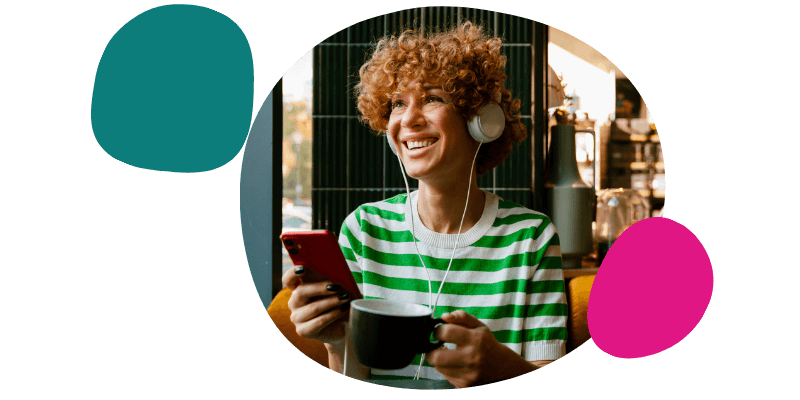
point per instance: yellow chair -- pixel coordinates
(578, 291)
(279, 312)
(577, 327)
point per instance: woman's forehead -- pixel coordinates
(417, 85)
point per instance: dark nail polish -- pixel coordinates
(299, 270)
(332, 287)
(344, 296)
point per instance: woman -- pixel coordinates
(503, 291)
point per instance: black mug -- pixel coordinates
(388, 334)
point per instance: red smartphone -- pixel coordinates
(319, 251)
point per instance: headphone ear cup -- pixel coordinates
(488, 124)
(391, 144)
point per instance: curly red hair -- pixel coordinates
(466, 63)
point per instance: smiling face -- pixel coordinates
(430, 134)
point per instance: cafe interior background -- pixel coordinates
(331, 163)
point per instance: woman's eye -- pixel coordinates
(427, 99)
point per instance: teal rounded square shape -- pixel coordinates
(174, 90)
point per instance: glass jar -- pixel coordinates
(617, 210)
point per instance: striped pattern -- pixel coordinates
(506, 272)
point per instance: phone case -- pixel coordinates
(320, 251)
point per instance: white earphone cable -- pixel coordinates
(346, 345)
(458, 238)
(413, 234)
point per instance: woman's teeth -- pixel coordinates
(419, 143)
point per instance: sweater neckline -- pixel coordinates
(444, 240)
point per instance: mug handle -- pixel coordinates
(430, 346)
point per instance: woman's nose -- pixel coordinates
(413, 117)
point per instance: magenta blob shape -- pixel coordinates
(652, 289)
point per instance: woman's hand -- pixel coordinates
(316, 306)
(478, 358)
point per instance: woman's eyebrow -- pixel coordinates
(429, 87)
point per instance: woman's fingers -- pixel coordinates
(308, 292)
(312, 327)
(291, 278)
(315, 304)
(299, 275)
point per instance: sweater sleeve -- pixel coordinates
(546, 311)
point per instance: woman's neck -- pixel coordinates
(441, 207)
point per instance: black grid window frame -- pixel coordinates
(353, 166)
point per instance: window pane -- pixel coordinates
(297, 149)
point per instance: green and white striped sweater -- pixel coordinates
(506, 272)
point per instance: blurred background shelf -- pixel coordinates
(576, 272)
(588, 267)
(635, 160)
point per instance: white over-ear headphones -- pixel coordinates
(485, 126)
